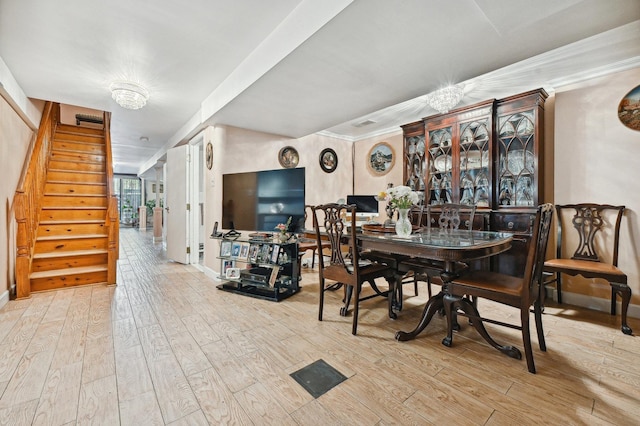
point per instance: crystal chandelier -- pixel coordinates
(446, 98)
(129, 95)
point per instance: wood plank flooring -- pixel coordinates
(165, 347)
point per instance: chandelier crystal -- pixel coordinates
(129, 95)
(444, 99)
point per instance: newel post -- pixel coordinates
(112, 248)
(23, 251)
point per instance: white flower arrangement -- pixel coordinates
(400, 197)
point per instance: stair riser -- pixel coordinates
(71, 229)
(76, 166)
(65, 188)
(89, 148)
(40, 265)
(76, 156)
(64, 129)
(42, 284)
(73, 201)
(60, 136)
(74, 244)
(65, 214)
(75, 177)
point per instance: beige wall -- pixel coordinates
(15, 136)
(597, 160)
(369, 183)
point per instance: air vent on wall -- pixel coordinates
(87, 118)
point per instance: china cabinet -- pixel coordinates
(263, 268)
(489, 155)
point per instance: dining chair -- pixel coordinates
(597, 232)
(345, 268)
(521, 293)
(447, 216)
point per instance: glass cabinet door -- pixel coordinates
(516, 165)
(475, 157)
(440, 166)
(415, 163)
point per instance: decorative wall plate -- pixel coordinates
(629, 109)
(328, 160)
(381, 158)
(288, 157)
(209, 155)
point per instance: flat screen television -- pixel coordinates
(366, 205)
(259, 201)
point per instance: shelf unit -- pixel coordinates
(262, 268)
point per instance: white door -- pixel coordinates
(176, 186)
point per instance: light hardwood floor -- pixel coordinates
(165, 346)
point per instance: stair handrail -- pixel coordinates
(26, 201)
(112, 221)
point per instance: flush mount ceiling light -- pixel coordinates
(446, 98)
(129, 95)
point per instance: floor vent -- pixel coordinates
(318, 378)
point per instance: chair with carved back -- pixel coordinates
(308, 244)
(345, 268)
(521, 293)
(450, 216)
(596, 238)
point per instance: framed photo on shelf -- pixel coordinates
(254, 249)
(328, 160)
(226, 264)
(381, 158)
(232, 273)
(235, 249)
(263, 256)
(274, 275)
(244, 251)
(225, 249)
(275, 252)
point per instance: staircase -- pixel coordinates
(71, 244)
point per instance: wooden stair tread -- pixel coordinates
(68, 271)
(88, 162)
(71, 208)
(70, 253)
(74, 194)
(76, 183)
(59, 137)
(76, 171)
(71, 222)
(70, 237)
(75, 152)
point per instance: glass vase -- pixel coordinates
(283, 237)
(403, 224)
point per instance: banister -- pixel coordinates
(26, 202)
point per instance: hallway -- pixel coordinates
(165, 347)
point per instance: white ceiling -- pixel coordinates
(297, 67)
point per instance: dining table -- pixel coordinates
(446, 247)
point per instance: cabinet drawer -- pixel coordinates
(518, 223)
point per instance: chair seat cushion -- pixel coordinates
(585, 267)
(489, 281)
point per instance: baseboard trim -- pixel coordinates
(590, 302)
(4, 298)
